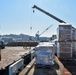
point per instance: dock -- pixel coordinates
(12, 54)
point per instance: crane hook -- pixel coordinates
(33, 11)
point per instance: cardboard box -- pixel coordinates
(65, 55)
(64, 32)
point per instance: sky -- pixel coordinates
(16, 16)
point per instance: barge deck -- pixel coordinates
(57, 69)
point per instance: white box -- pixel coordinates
(45, 53)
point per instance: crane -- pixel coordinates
(37, 34)
(47, 13)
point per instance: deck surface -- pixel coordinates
(11, 54)
(32, 69)
(42, 71)
(70, 65)
(56, 69)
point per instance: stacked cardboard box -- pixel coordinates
(65, 49)
(64, 32)
(64, 45)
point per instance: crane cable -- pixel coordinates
(31, 26)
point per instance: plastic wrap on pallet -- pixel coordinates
(44, 59)
(44, 54)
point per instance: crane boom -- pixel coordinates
(59, 20)
(45, 30)
(37, 34)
